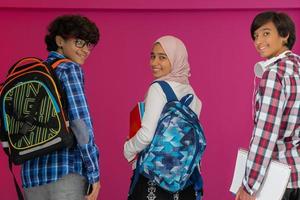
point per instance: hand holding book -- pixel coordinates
(136, 116)
(274, 183)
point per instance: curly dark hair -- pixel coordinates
(283, 23)
(68, 26)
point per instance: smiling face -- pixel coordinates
(268, 42)
(72, 49)
(159, 62)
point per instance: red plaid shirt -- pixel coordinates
(276, 133)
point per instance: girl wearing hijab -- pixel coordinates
(169, 62)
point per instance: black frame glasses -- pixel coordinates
(81, 43)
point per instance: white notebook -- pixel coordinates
(275, 181)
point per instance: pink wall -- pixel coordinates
(117, 76)
(153, 4)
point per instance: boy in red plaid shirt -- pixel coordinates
(276, 133)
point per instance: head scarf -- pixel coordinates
(178, 56)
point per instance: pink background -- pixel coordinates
(117, 73)
(153, 4)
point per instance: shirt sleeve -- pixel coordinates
(266, 130)
(79, 116)
(154, 104)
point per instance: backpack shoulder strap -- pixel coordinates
(54, 64)
(18, 189)
(187, 99)
(169, 92)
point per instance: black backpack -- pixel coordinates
(33, 111)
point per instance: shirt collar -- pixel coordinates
(55, 54)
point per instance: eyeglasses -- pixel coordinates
(81, 43)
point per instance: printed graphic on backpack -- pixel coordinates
(33, 116)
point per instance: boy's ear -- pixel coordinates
(285, 39)
(59, 40)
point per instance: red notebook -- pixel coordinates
(136, 116)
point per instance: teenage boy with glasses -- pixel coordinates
(65, 174)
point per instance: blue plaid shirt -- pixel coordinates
(82, 159)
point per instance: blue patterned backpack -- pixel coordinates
(177, 146)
